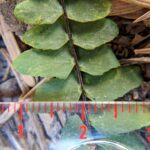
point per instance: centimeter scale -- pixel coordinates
(84, 108)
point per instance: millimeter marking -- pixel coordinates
(122, 107)
(115, 110)
(2, 108)
(136, 107)
(57, 107)
(95, 107)
(89, 107)
(70, 107)
(64, 107)
(26, 107)
(108, 107)
(102, 107)
(15, 107)
(129, 107)
(8, 107)
(45, 108)
(76, 107)
(51, 109)
(143, 107)
(39, 107)
(20, 113)
(32, 107)
(82, 111)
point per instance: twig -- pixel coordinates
(24, 88)
(34, 88)
(143, 51)
(13, 49)
(143, 17)
(6, 115)
(9, 39)
(14, 142)
(6, 74)
(140, 60)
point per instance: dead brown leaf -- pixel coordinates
(121, 8)
(142, 3)
(134, 15)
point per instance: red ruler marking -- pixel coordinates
(20, 112)
(143, 107)
(32, 107)
(136, 107)
(51, 109)
(2, 109)
(76, 107)
(20, 130)
(14, 107)
(8, 107)
(102, 107)
(45, 108)
(39, 107)
(108, 107)
(70, 107)
(95, 107)
(64, 107)
(122, 107)
(148, 138)
(26, 107)
(129, 107)
(89, 107)
(57, 107)
(20, 127)
(82, 111)
(115, 110)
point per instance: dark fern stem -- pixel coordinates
(73, 50)
(74, 54)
